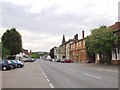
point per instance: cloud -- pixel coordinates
(43, 22)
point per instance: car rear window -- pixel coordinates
(9, 62)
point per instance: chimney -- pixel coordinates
(76, 37)
(83, 34)
(63, 40)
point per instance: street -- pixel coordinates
(47, 74)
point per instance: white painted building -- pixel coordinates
(21, 56)
(68, 48)
(116, 55)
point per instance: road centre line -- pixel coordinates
(51, 85)
(92, 75)
(46, 78)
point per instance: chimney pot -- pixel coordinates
(83, 34)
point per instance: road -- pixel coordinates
(67, 75)
(47, 74)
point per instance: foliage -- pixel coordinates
(35, 55)
(11, 40)
(101, 41)
(5, 52)
(51, 53)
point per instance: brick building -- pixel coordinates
(78, 50)
(116, 53)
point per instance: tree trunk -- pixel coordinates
(108, 57)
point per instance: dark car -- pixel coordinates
(67, 61)
(30, 60)
(4, 65)
(57, 60)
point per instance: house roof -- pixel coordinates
(25, 51)
(115, 27)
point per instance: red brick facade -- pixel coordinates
(116, 30)
(78, 50)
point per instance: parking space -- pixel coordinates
(30, 76)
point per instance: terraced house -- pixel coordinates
(75, 49)
(116, 53)
(78, 50)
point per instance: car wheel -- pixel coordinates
(4, 68)
(19, 66)
(11, 66)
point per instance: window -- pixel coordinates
(83, 42)
(80, 43)
(77, 44)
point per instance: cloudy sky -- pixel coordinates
(42, 23)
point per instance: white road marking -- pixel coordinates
(47, 78)
(51, 85)
(115, 71)
(92, 75)
(111, 71)
(44, 74)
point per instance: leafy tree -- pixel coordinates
(5, 52)
(51, 53)
(35, 55)
(11, 40)
(101, 41)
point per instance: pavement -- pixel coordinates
(0, 80)
(30, 76)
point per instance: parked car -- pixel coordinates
(4, 65)
(49, 60)
(30, 60)
(25, 59)
(57, 60)
(67, 61)
(62, 60)
(13, 64)
(19, 63)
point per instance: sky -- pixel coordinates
(42, 23)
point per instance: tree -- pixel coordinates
(35, 55)
(51, 53)
(11, 40)
(101, 41)
(5, 52)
